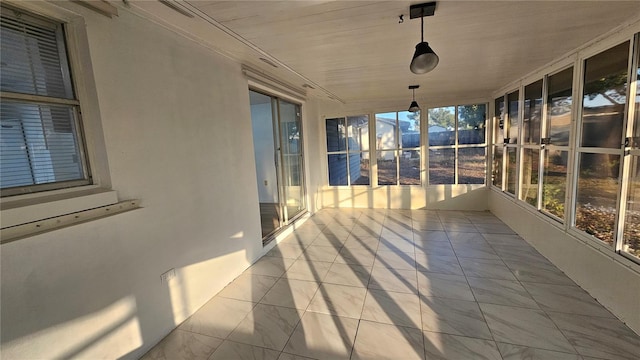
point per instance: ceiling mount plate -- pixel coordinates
(420, 10)
(411, 87)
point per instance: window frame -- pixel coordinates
(578, 149)
(523, 146)
(347, 151)
(515, 146)
(576, 60)
(30, 207)
(69, 79)
(456, 146)
(547, 148)
(397, 150)
(497, 143)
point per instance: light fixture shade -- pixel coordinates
(424, 59)
(414, 107)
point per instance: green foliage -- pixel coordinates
(612, 87)
(472, 116)
(533, 201)
(444, 117)
(553, 199)
(603, 169)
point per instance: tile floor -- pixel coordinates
(401, 284)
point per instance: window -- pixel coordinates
(631, 219)
(398, 148)
(457, 150)
(498, 141)
(41, 137)
(512, 141)
(530, 156)
(599, 144)
(540, 159)
(556, 152)
(348, 150)
(542, 144)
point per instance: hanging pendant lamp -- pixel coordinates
(414, 105)
(424, 59)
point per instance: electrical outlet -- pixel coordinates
(168, 275)
(266, 183)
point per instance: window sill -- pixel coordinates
(22, 209)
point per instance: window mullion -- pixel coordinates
(574, 141)
(455, 145)
(346, 147)
(544, 130)
(397, 150)
(519, 141)
(373, 151)
(505, 135)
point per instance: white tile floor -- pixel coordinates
(401, 284)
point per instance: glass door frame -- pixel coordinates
(280, 168)
(278, 157)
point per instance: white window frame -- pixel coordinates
(398, 150)
(348, 151)
(506, 133)
(522, 147)
(544, 133)
(49, 100)
(498, 143)
(578, 150)
(457, 146)
(576, 60)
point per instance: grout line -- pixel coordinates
(367, 289)
(535, 301)
(472, 293)
(422, 337)
(543, 349)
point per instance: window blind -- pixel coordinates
(32, 60)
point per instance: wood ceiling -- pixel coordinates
(358, 50)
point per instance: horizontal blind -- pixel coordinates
(38, 144)
(39, 139)
(33, 57)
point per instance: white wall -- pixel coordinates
(172, 113)
(314, 155)
(264, 149)
(613, 284)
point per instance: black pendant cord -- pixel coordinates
(422, 25)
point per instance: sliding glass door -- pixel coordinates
(291, 159)
(277, 138)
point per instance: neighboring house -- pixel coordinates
(387, 127)
(338, 173)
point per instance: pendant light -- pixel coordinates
(414, 105)
(424, 59)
